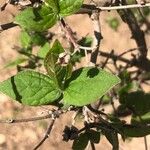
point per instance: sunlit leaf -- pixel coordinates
(87, 85)
(31, 88)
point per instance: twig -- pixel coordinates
(51, 114)
(97, 36)
(125, 7)
(142, 64)
(96, 111)
(47, 134)
(11, 121)
(112, 104)
(69, 33)
(87, 48)
(88, 8)
(145, 143)
(128, 51)
(92, 146)
(71, 38)
(107, 59)
(137, 34)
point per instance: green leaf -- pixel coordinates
(137, 101)
(55, 70)
(54, 5)
(136, 131)
(68, 7)
(106, 99)
(129, 130)
(25, 39)
(87, 85)
(38, 39)
(125, 89)
(57, 48)
(94, 136)
(86, 41)
(81, 142)
(52, 57)
(69, 69)
(112, 137)
(44, 50)
(31, 88)
(44, 17)
(36, 19)
(144, 119)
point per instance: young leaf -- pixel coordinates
(51, 59)
(138, 101)
(44, 50)
(56, 70)
(36, 19)
(25, 39)
(87, 85)
(68, 7)
(31, 88)
(144, 119)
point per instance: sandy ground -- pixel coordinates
(26, 135)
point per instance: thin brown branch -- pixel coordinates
(12, 121)
(107, 59)
(137, 34)
(96, 111)
(95, 18)
(47, 134)
(128, 51)
(69, 33)
(52, 113)
(140, 63)
(88, 8)
(97, 36)
(124, 7)
(145, 143)
(92, 146)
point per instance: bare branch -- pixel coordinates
(97, 36)
(92, 146)
(137, 34)
(125, 7)
(87, 9)
(50, 114)
(145, 143)
(11, 121)
(47, 134)
(140, 63)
